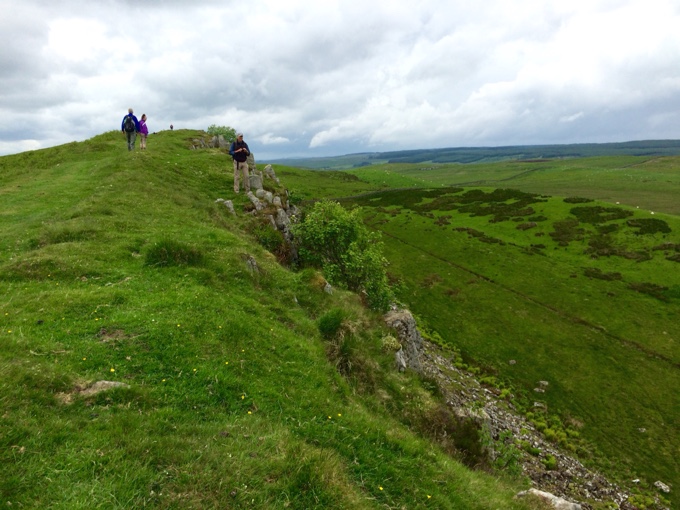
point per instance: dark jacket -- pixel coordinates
(122, 124)
(239, 156)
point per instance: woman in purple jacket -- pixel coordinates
(143, 131)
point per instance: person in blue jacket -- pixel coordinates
(130, 127)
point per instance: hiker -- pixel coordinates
(143, 132)
(239, 151)
(130, 127)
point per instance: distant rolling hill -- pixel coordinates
(488, 154)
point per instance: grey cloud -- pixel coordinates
(323, 78)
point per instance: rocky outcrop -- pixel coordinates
(409, 337)
(567, 484)
(569, 479)
(210, 142)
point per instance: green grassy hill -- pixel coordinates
(579, 293)
(120, 267)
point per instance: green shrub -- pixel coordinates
(550, 434)
(540, 425)
(229, 133)
(550, 462)
(390, 344)
(507, 456)
(336, 240)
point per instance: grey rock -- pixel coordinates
(400, 360)
(251, 163)
(662, 487)
(556, 502)
(251, 264)
(269, 172)
(230, 206)
(282, 220)
(101, 386)
(255, 180)
(408, 335)
(256, 202)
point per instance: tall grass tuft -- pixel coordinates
(173, 253)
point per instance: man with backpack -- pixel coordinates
(239, 151)
(130, 126)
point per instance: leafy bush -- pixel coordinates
(550, 463)
(229, 133)
(507, 456)
(336, 240)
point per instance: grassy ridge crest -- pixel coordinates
(121, 267)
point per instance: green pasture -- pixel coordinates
(600, 326)
(648, 183)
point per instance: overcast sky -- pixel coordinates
(315, 78)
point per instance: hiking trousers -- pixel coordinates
(131, 137)
(242, 168)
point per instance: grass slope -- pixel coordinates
(582, 295)
(120, 266)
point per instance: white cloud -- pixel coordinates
(344, 76)
(270, 139)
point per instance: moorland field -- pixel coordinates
(120, 266)
(569, 268)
